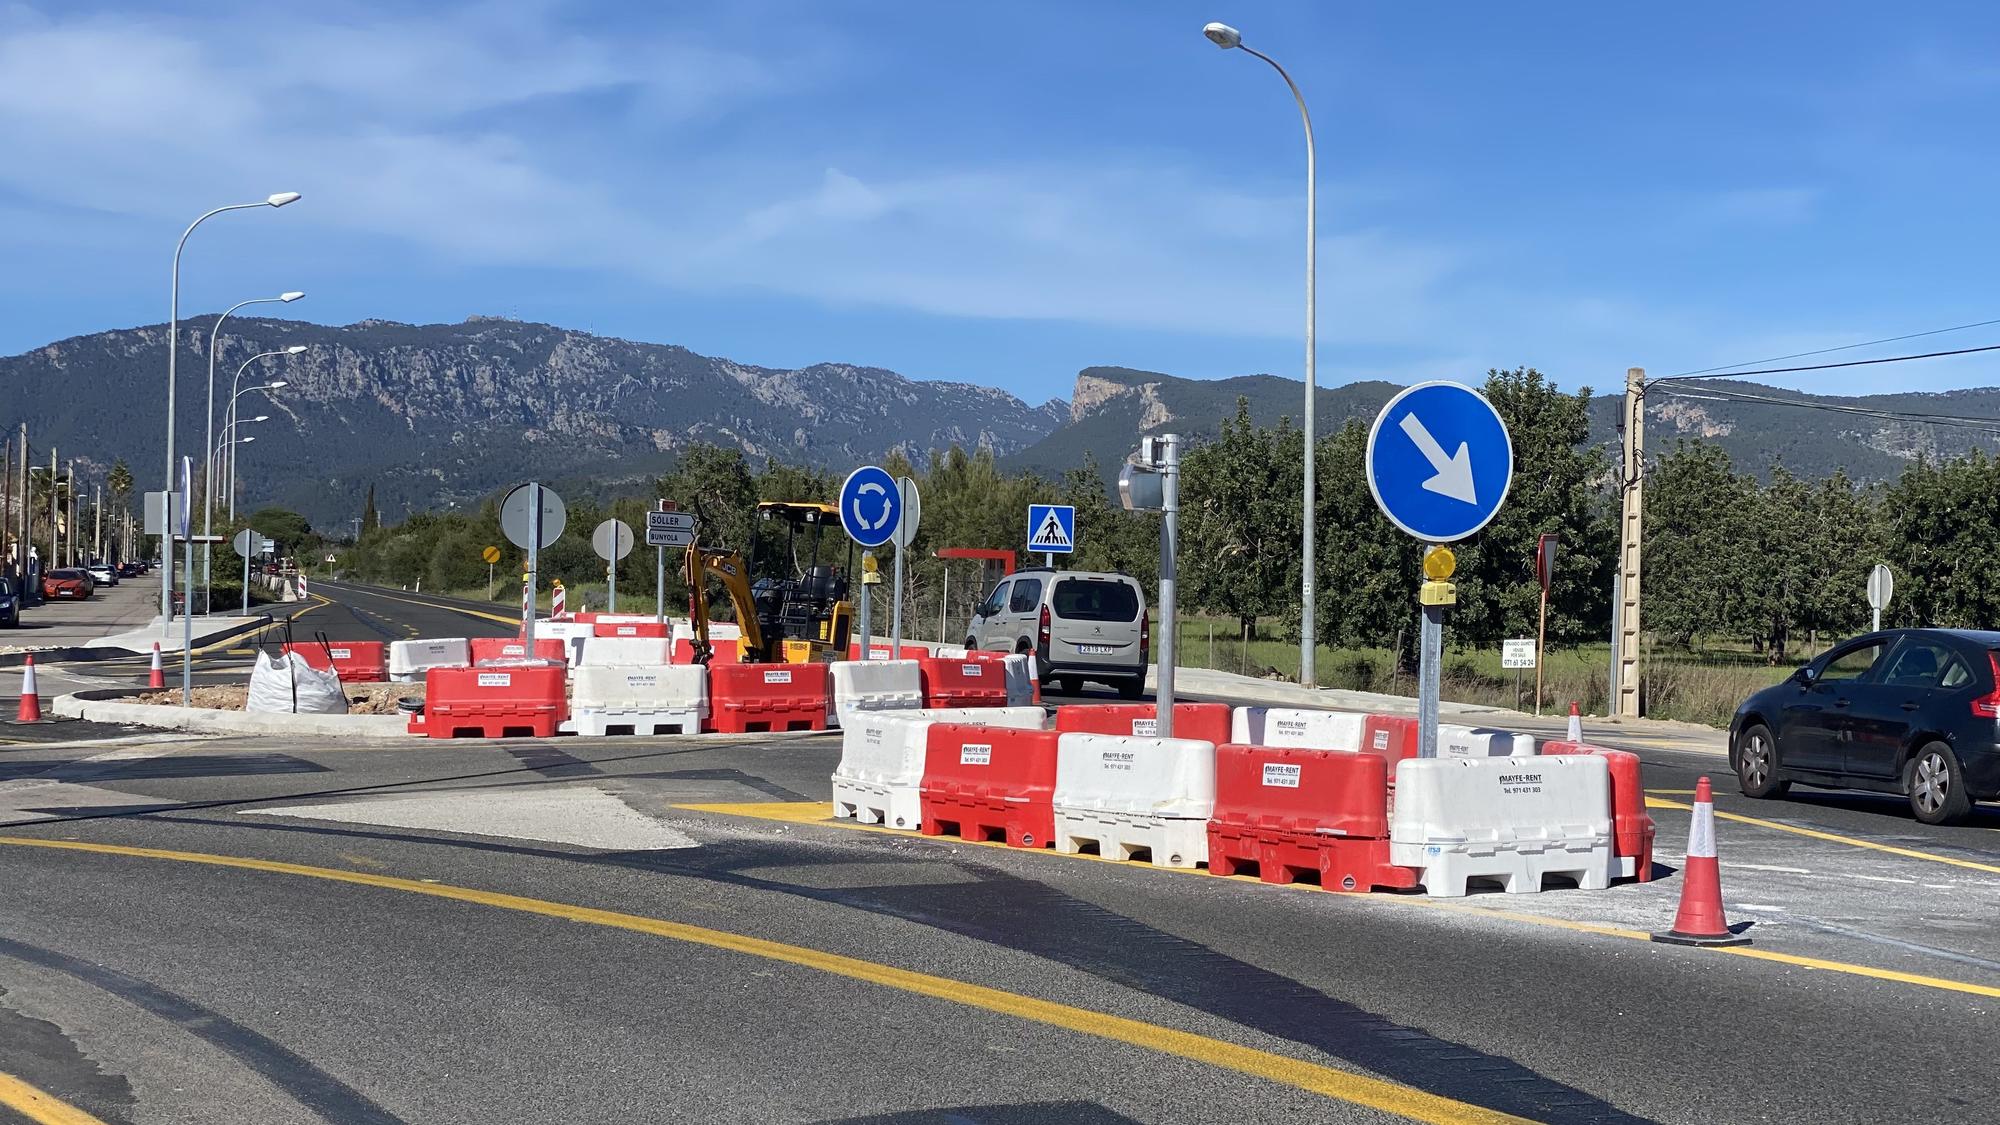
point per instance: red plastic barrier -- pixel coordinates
(981, 782)
(632, 629)
(1390, 737)
(526, 699)
(513, 648)
(749, 698)
(1294, 811)
(883, 650)
(1632, 826)
(720, 651)
(356, 662)
(963, 682)
(1208, 722)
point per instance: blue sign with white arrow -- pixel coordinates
(1051, 528)
(870, 506)
(1439, 461)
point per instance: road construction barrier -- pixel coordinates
(755, 698)
(627, 699)
(1207, 722)
(882, 759)
(1390, 737)
(1514, 820)
(1024, 685)
(964, 682)
(489, 650)
(885, 650)
(647, 628)
(493, 702)
(723, 642)
(951, 652)
(1292, 726)
(873, 685)
(571, 633)
(1632, 828)
(1294, 811)
(603, 652)
(985, 782)
(355, 662)
(1455, 741)
(409, 660)
(1123, 795)
(622, 619)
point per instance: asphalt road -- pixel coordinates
(280, 930)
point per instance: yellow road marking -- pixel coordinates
(1673, 792)
(40, 1107)
(1356, 1089)
(1830, 837)
(815, 813)
(451, 608)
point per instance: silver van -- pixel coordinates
(1079, 625)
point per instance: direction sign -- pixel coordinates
(1439, 461)
(913, 513)
(1881, 587)
(246, 543)
(870, 506)
(491, 555)
(187, 495)
(1051, 528)
(1518, 654)
(515, 512)
(612, 540)
(669, 529)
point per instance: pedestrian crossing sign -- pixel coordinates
(1051, 528)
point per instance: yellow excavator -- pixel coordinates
(791, 608)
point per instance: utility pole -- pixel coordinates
(7, 497)
(97, 508)
(71, 524)
(55, 559)
(22, 542)
(1631, 526)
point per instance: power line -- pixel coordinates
(1984, 425)
(1828, 366)
(1825, 351)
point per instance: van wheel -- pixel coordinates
(1937, 786)
(1757, 764)
(1131, 689)
(970, 644)
(1022, 646)
(1070, 685)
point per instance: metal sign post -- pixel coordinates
(1881, 587)
(660, 546)
(534, 571)
(187, 582)
(869, 577)
(1545, 570)
(1151, 480)
(906, 530)
(491, 555)
(532, 517)
(1439, 464)
(612, 541)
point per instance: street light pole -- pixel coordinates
(173, 355)
(235, 394)
(208, 442)
(1226, 37)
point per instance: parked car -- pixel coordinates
(10, 603)
(101, 574)
(1080, 625)
(131, 569)
(67, 583)
(1915, 712)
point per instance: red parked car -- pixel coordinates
(66, 583)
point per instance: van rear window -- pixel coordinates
(1080, 599)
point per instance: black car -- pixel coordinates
(10, 603)
(1909, 711)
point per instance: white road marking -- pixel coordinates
(580, 816)
(1767, 867)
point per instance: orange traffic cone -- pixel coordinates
(156, 678)
(1575, 723)
(1700, 920)
(31, 698)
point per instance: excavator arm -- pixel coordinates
(726, 566)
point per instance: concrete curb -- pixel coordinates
(72, 654)
(171, 645)
(104, 705)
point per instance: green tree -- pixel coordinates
(119, 483)
(1700, 544)
(371, 520)
(282, 526)
(1239, 524)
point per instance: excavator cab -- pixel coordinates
(792, 606)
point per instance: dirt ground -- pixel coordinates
(362, 699)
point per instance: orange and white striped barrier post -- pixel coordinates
(1700, 919)
(31, 697)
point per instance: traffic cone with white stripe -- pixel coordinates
(1700, 920)
(31, 697)
(156, 678)
(1575, 723)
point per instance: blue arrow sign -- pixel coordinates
(1051, 528)
(870, 506)
(1439, 461)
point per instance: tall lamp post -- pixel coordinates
(1227, 37)
(173, 349)
(234, 393)
(228, 469)
(208, 440)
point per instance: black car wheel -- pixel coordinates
(1757, 764)
(1937, 786)
(1070, 685)
(1131, 689)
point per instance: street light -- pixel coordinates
(173, 349)
(236, 393)
(208, 479)
(1227, 38)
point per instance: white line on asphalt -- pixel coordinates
(1767, 867)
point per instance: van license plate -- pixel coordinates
(1096, 650)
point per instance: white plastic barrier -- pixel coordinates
(950, 652)
(1456, 741)
(1127, 794)
(1292, 726)
(409, 660)
(873, 685)
(616, 651)
(1022, 684)
(662, 699)
(1511, 819)
(882, 758)
(571, 633)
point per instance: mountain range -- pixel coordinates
(443, 415)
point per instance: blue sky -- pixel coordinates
(1005, 193)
